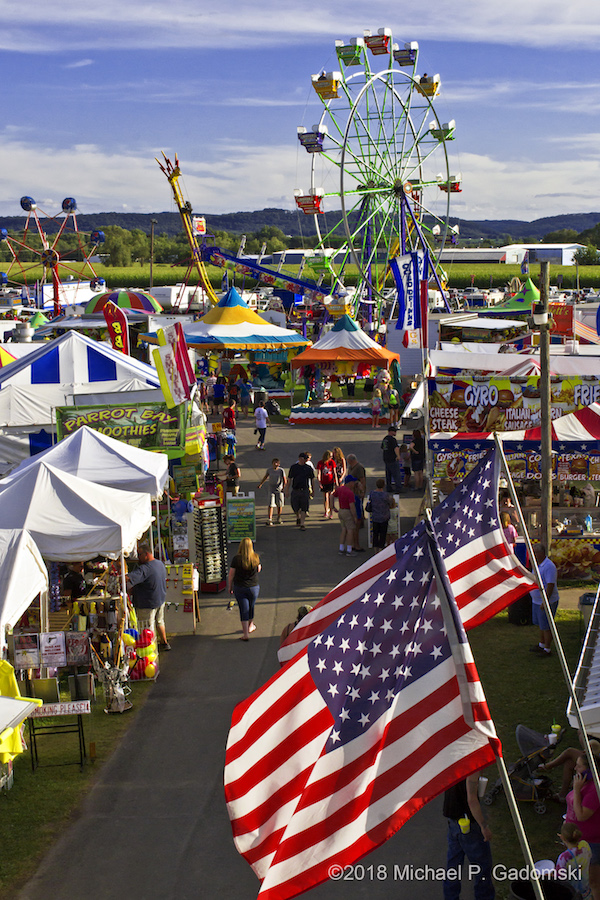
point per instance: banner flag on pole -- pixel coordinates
(173, 336)
(118, 326)
(168, 374)
(408, 272)
(380, 713)
(485, 575)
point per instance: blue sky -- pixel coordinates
(92, 93)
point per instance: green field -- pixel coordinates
(460, 275)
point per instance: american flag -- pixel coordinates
(485, 575)
(379, 714)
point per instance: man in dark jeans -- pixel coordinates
(394, 476)
(300, 478)
(461, 802)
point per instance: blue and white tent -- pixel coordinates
(53, 375)
(74, 358)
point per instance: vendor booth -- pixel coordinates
(575, 475)
(23, 576)
(343, 351)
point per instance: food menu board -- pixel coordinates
(479, 403)
(455, 459)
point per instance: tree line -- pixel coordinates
(124, 247)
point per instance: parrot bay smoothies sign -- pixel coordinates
(150, 426)
(480, 404)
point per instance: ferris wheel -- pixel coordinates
(379, 179)
(64, 255)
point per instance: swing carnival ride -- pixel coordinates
(190, 226)
(35, 248)
(379, 160)
(376, 148)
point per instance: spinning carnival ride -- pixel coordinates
(35, 248)
(379, 175)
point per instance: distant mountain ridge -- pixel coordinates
(295, 223)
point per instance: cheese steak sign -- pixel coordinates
(480, 403)
(150, 426)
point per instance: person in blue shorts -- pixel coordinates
(538, 612)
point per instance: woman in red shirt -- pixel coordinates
(327, 475)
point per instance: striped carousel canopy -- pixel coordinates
(233, 325)
(136, 300)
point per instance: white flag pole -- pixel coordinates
(553, 629)
(445, 586)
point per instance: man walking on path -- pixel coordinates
(391, 459)
(277, 481)
(300, 478)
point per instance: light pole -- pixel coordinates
(540, 320)
(153, 222)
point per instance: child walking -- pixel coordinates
(376, 404)
(405, 458)
(379, 504)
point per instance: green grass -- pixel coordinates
(38, 807)
(524, 689)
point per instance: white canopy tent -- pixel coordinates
(71, 519)
(23, 575)
(100, 459)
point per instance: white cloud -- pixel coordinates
(525, 189)
(238, 177)
(185, 23)
(79, 64)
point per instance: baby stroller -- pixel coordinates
(273, 408)
(527, 784)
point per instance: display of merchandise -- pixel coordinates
(209, 547)
(55, 586)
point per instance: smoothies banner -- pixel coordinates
(495, 403)
(150, 426)
(455, 459)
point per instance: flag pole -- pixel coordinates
(518, 823)
(443, 582)
(553, 629)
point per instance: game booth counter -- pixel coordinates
(575, 474)
(343, 353)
